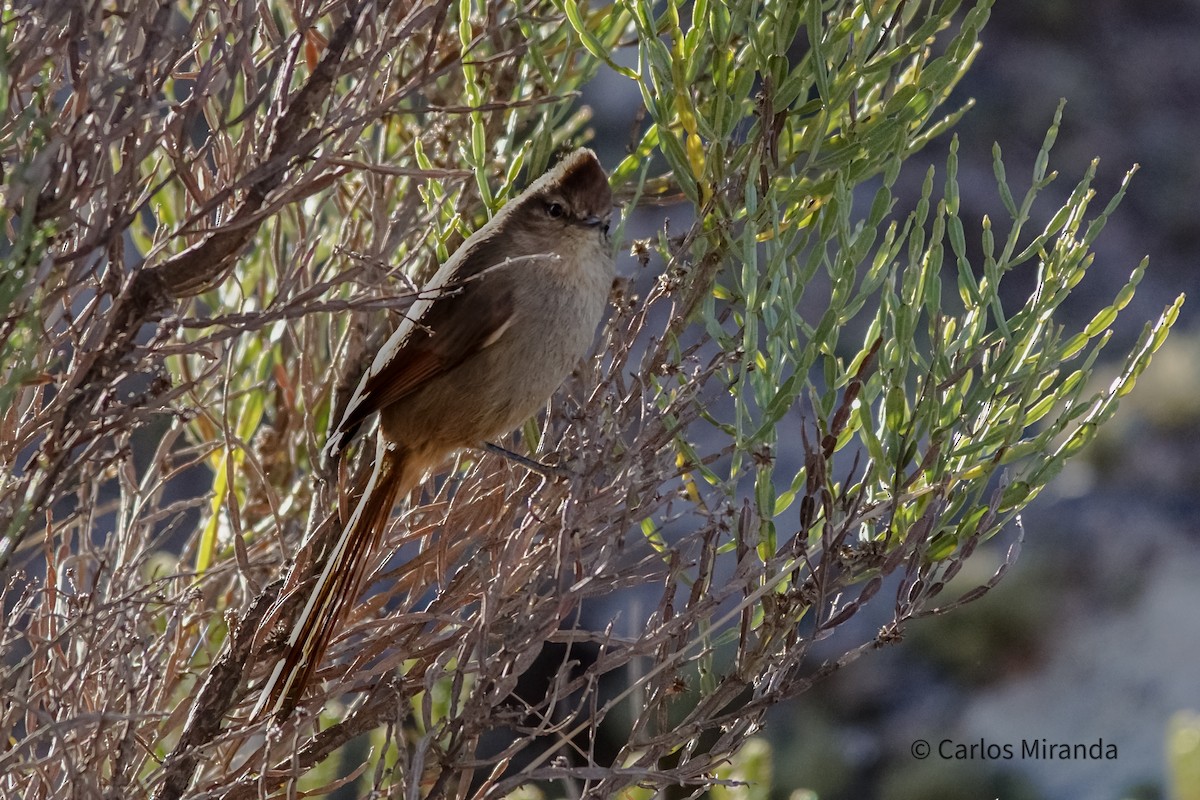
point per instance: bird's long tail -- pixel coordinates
(339, 582)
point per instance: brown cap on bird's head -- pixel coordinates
(582, 181)
(576, 189)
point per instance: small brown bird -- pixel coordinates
(498, 328)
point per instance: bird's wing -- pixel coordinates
(454, 325)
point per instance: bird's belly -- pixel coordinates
(498, 388)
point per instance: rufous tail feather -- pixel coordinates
(338, 584)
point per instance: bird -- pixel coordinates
(493, 335)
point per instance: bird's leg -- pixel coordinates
(530, 464)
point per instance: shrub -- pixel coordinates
(213, 212)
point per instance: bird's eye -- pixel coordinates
(555, 210)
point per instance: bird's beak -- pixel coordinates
(596, 221)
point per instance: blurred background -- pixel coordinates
(1094, 635)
